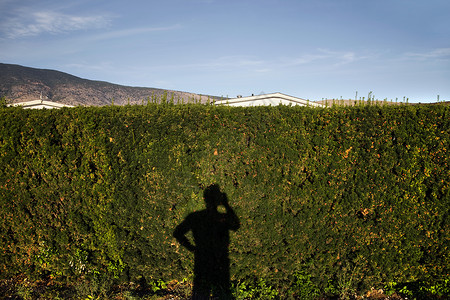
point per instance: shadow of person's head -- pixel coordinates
(213, 197)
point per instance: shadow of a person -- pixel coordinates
(210, 229)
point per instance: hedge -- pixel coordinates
(352, 196)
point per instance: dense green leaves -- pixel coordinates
(89, 191)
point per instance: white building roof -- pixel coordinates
(268, 99)
(39, 104)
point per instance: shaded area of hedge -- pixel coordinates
(353, 197)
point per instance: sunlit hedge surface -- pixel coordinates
(355, 195)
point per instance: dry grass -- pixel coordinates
(349, 102)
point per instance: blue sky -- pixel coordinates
(311, 49)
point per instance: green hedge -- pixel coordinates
(354, 197)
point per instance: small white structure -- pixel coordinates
(39, 104)
(268, 99)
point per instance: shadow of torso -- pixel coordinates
(211, 236)
(210, 229)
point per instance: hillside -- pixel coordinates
(18, 83)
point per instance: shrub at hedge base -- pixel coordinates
(351, 198)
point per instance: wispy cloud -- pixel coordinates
(314, 59)
(333, 58)
(305, 59)
(439, 54)
(234, 61)
(131, 31)
(85, 66)
(23, 23)
(231, 62)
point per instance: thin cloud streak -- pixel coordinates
(27, 24)
(220, 63)
(131, 32)
(335, 58)
(439, 53)
(321, 57)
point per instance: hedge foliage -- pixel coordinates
(355, 196)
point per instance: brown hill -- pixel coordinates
(18, 83)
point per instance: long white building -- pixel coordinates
(268, 99)
(39, 104)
